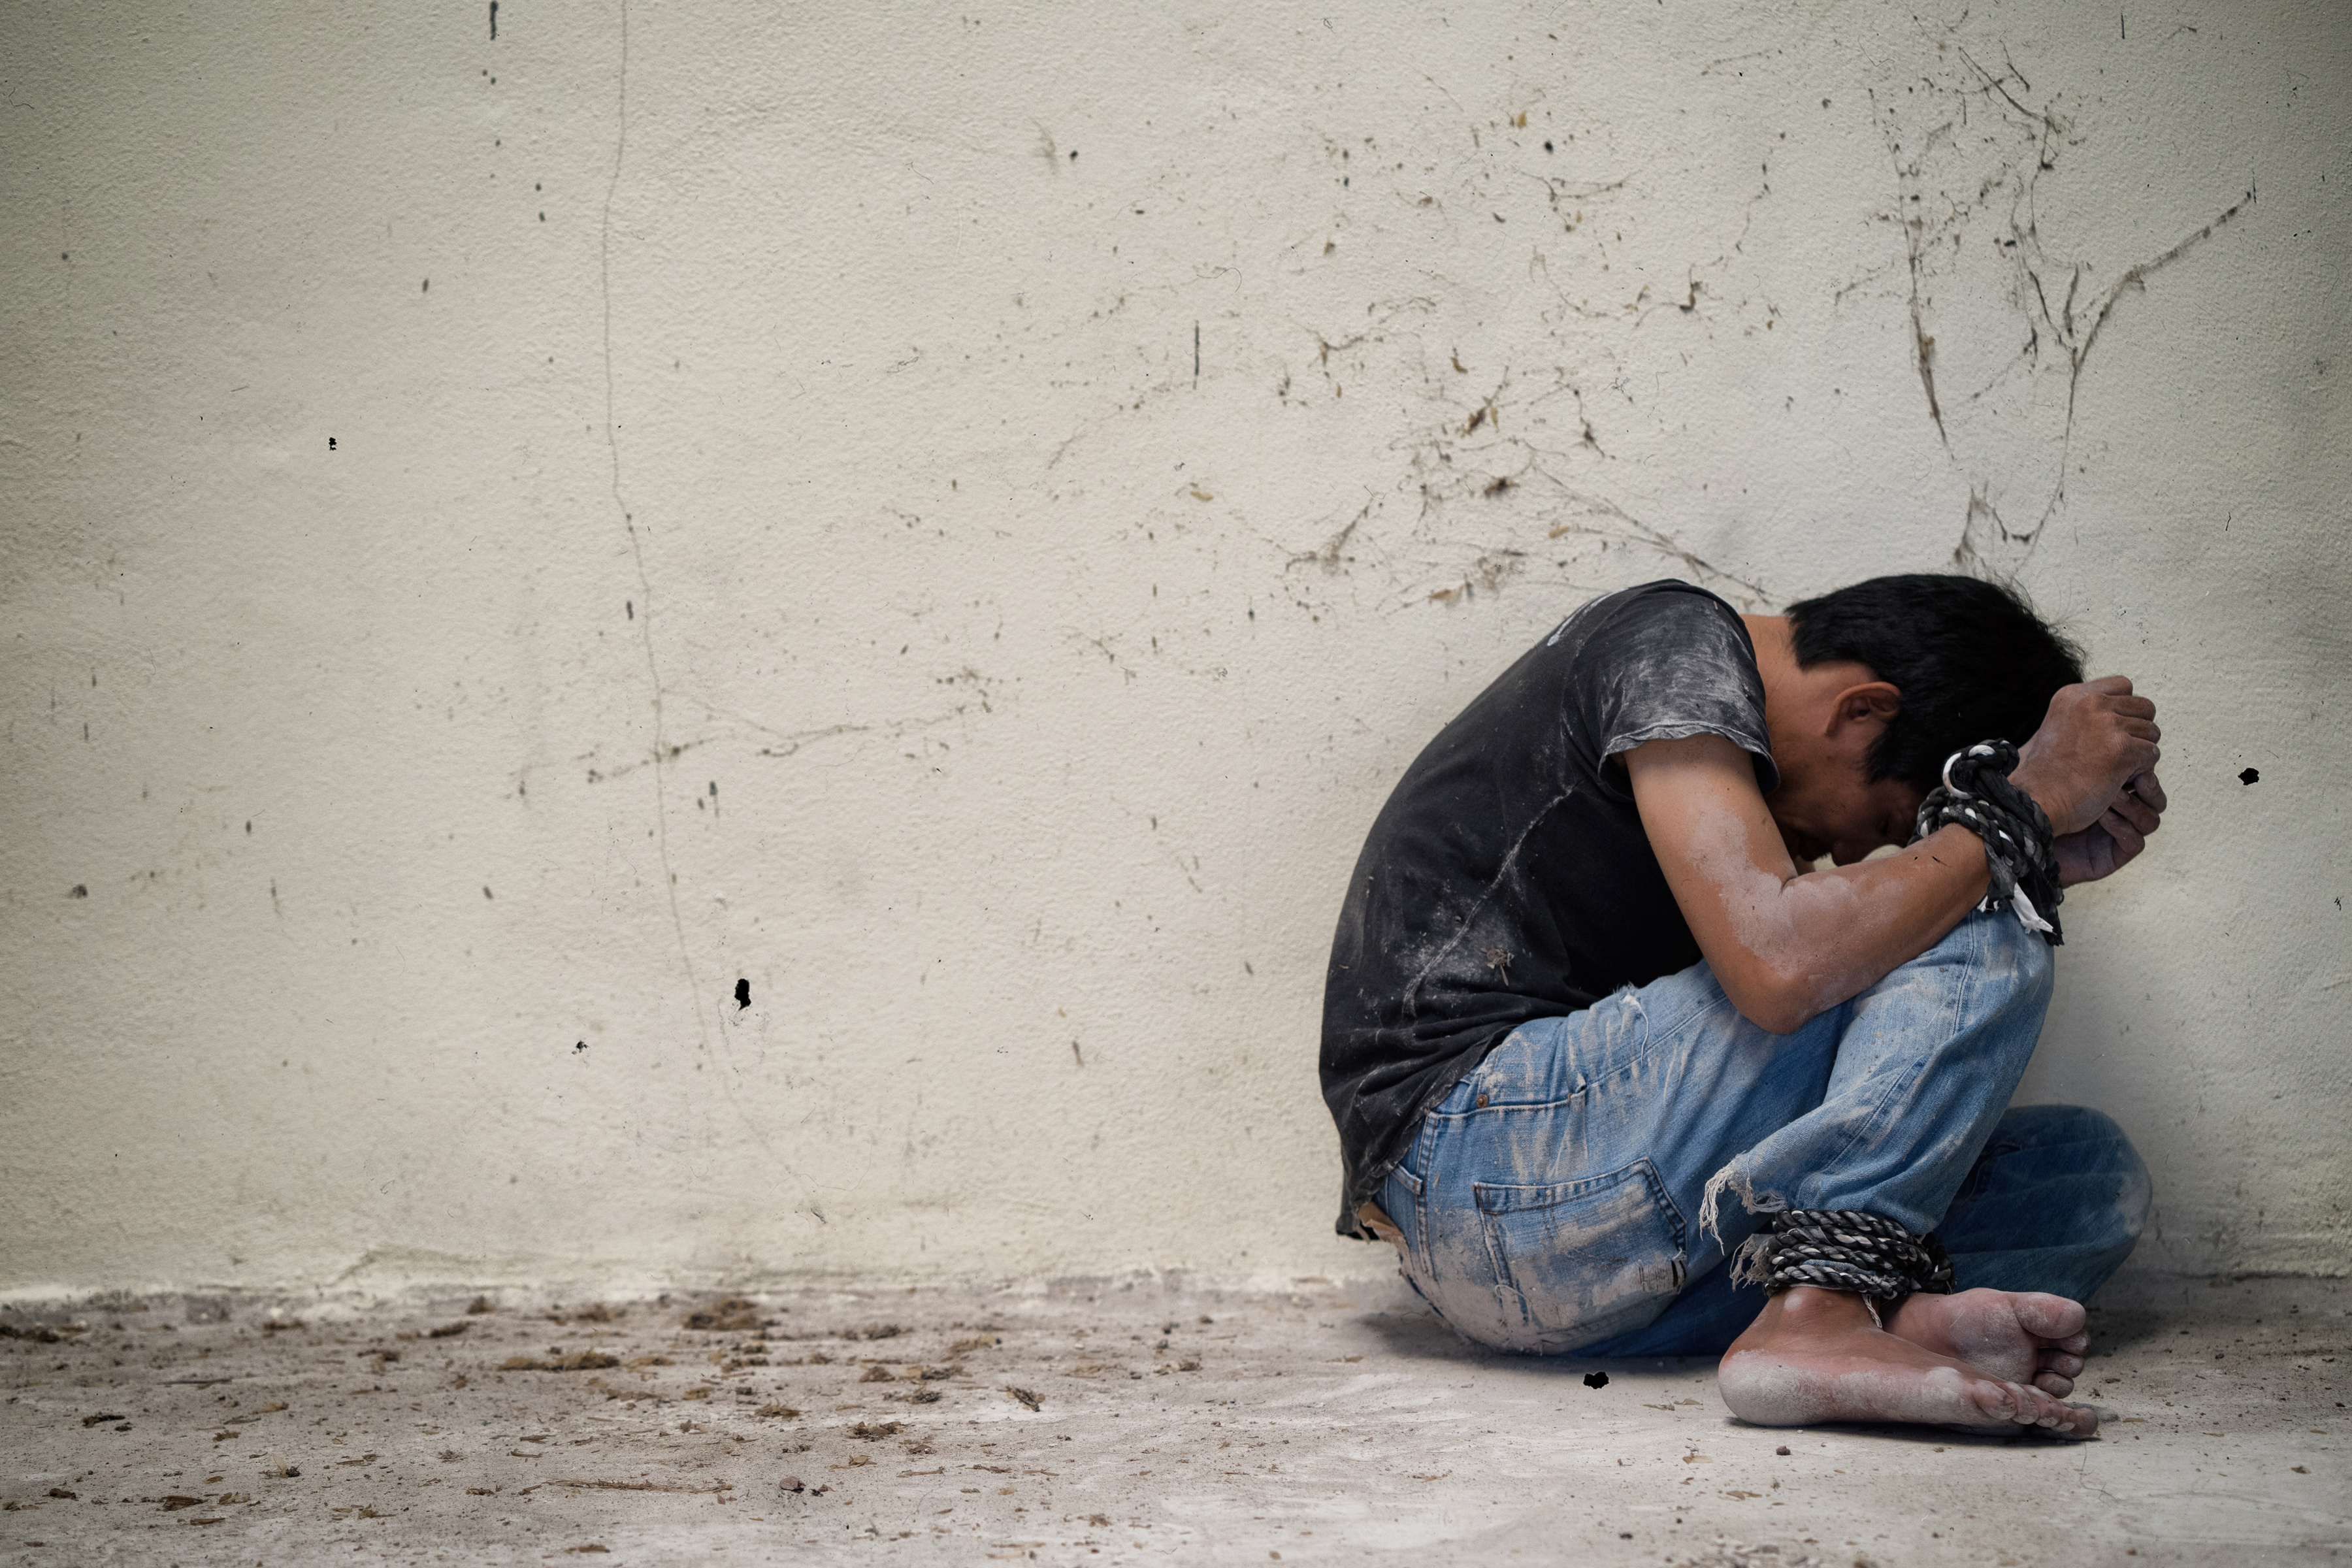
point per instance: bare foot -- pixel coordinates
(1815, 1355)
(2025, 1336)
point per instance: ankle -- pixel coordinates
(1815, 1307)
(1806, 1313)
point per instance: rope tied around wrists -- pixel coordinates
(1976, 795)
(1844, 1249)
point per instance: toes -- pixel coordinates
(2037, 1407)
(2053, 1319)
(2054, 1414)
(2066, 1366)
(2000, 1402)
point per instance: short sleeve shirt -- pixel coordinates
(1509, 878)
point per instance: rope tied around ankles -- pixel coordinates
(1977, 793)
(1844, 1249)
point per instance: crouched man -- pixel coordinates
(1619, 1072)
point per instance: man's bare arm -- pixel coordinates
(1787, 946)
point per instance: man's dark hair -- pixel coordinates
(1971, 659)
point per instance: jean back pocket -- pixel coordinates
(1587, 1259)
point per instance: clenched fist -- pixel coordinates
(2091, 766)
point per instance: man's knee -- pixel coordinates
(1987, 974)
(2093, 1148)
(2020, 959)
(2134, 1192)
(1993, 967)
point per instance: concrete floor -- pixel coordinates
(1106, 1423)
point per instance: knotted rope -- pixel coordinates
(1978, 795)
(1844, 1249)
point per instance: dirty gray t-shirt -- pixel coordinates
(1509, 878)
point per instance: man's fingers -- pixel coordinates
(2113, 685)
(2137, 756)
(2138, 813)
(2133, 707)
(2129, 840)
(2145, 787)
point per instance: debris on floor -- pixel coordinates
(1101, 1423)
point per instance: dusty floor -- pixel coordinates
(1106, 1424)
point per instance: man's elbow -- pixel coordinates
(1776, 1004)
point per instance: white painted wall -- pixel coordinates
(795, 538)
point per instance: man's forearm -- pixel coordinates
(1843, 930)
(1787, 945)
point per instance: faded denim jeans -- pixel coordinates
(1582, 1189)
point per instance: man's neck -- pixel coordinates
(1785, 686)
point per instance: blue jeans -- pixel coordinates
(1568, 1195)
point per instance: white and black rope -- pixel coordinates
(1977, 793)
(1844, 1249)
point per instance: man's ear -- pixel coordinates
(1874, 704)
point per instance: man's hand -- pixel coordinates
(2096, 737)
(2121, 833)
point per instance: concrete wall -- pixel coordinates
(955, 518)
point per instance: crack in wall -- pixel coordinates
(1637, 532)
(1467, 473)
(1954, 177)
(644, 623)
(1564, 508)
(1495, 478)
(1972, 552)
(2136, 277)
(663, 753)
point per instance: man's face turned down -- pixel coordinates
(1828, 804)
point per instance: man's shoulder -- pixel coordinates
(1654, 620)
(1667, 598)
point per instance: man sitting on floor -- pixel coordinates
(1587, 982)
